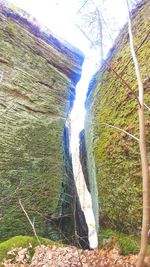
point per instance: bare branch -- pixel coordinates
(31, 223)
(147, 107)
(124, 82)
(121, 130)
(127, 85)
(143, 151)
(143, 41)
(82, 6)
(137, 68)
(100, 26)
(84, 33)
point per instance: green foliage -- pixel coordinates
(11, 28)
(13, 7)
(24, 242)
(127, 244)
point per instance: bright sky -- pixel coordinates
(56, 15)
(59, 17)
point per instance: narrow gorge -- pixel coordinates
(72, 184)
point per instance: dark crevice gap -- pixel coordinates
(83, 158)
(85, 223)
(68, 223)
(78, 222)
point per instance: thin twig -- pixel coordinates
(143, 41)
(79, 10)
(31, 223)
(143, 151)
(121, 130)
(147, 107)
(124, 82)
(100, 27)
(87, 37)
(136, 64)
(127, 85)
(115, 72)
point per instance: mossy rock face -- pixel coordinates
(126, 243)
(115, 155)
(37, 87)
(22, 242)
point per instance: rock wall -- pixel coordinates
(37, 87)
(113, 157)
(83, 157)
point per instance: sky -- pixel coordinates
(60, 16)
(56, 15)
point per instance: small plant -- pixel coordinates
(13, 7)
(127, 244)
(11, 28)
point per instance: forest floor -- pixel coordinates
(53, 256)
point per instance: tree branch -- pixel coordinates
(82, 7)
(143, 41)
(127, 85)
(121, 130)
(84, 33)
(123, 82)
(31, 223)
(143, 151)
(147, 107)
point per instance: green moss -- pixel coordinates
(39, 198)
(116, 155)
(11, 28)
(24, 242)
(127, 244)
(36, 98)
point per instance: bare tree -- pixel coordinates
(92, 23)
(143, 151)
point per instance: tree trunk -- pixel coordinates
(100, 28)
(146, 201)
(143, 153)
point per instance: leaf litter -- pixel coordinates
(53, 256)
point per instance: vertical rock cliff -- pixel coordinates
(38, 75)
(113, 158)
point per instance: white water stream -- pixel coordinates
(76, 119)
